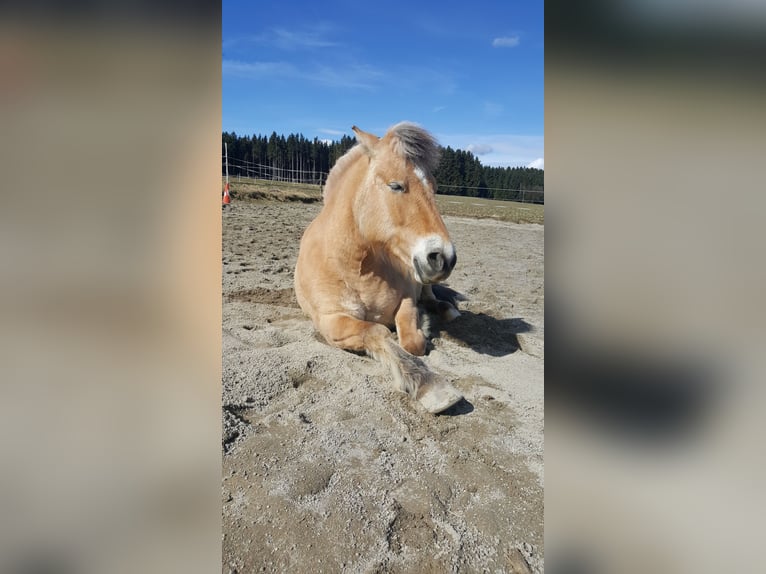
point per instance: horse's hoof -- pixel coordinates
(438, 398)
(450, 314)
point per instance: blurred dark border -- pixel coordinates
(685, 41)
(110, 329)
(654, 140)
(140, 14)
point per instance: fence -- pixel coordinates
(241, 168)
(519, 195)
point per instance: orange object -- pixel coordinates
(226, 197)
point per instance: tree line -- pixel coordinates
(459, 171)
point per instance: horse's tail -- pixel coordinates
(412, 376)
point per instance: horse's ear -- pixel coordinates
(367, 140)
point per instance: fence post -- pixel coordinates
(226, 155)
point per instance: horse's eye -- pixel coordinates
(396, 187)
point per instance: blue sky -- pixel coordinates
(469, 72)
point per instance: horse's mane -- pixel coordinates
(408, 140)
(341, 166)
(414, 143)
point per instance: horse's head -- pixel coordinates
(396, 207)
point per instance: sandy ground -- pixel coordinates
(327, 469)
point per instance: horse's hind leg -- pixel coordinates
(410, 373)
(446, 310)
(352, 334)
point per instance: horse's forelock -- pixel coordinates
(412, 142)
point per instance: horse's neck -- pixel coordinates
(341, 193)
(334, 184)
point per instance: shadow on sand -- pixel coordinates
(462, 407)
(481, 332)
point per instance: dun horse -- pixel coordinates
(374, 251)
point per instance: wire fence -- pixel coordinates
(243, 169)
(251, 170)
(505, 194)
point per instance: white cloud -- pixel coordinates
(357, 76)
(257, 69)
(308, 37)
(493, 108)
(433, 81)
(479, 149)
(331, 132)
(507, 150)
(298, 39)
(438, 109)
(539, 163)
(506, 42)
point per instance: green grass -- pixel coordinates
(457, 205)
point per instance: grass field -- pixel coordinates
(274, 190)
(490, 209)
(251, 189)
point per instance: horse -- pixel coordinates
(373, 253)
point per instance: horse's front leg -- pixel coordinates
(410, 373)
(411, 337)
(444, 309)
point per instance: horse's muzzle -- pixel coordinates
(433, 260)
